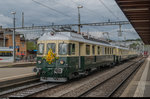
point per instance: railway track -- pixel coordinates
(105, 88)
(108, 87)
(28, 90)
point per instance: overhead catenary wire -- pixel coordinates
(77, 4)
(108, 9)
(92, 11)
(50, 8)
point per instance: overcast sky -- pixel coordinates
(46, 12)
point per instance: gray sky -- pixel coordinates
(46, 12)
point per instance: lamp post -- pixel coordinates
(79, 18)
(14, 36)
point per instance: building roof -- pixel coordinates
(138, 13)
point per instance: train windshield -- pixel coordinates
(51, 46)
(63, 49)
(40, 49)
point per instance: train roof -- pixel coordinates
(119, 47)
(75, 37)
(5, 49)
(70, 36)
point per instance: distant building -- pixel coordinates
(21, 49)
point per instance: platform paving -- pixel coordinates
(17, 64)
(13, 73)
(140, 84)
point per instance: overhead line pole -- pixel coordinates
(79, 18)
(14, 36)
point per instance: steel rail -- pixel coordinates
(93, 88)
(119, 85)
(28, 90)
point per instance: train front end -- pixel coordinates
(54, 72)
(50, 67)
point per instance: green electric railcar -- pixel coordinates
(77, 55)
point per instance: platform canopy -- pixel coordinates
(138, 13)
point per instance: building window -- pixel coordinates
(22, 44)
(18, 49)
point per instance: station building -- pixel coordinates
(21, 47)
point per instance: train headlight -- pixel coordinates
(62, 62)
(35, 70)
(39, 61)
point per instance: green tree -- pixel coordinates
(134, 45)
(31, 45)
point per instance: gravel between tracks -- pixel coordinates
(75, 88)
(105, 89)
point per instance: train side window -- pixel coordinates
(40, 48)
(98, 50)
(93, 50)
(51, 46)
(63, 49)
(103, 50)
(110, 50)
(87, 49)
(71, 49)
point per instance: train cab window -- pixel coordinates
(51, 46)
(98, 50)
(71, 49)
(63, 49)
(93, 50)
(87, 49)
(41, 49)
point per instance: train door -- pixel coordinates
(81, 59)
(79, 55)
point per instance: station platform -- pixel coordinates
(15, 73)
(140, 84)
(17, 64)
